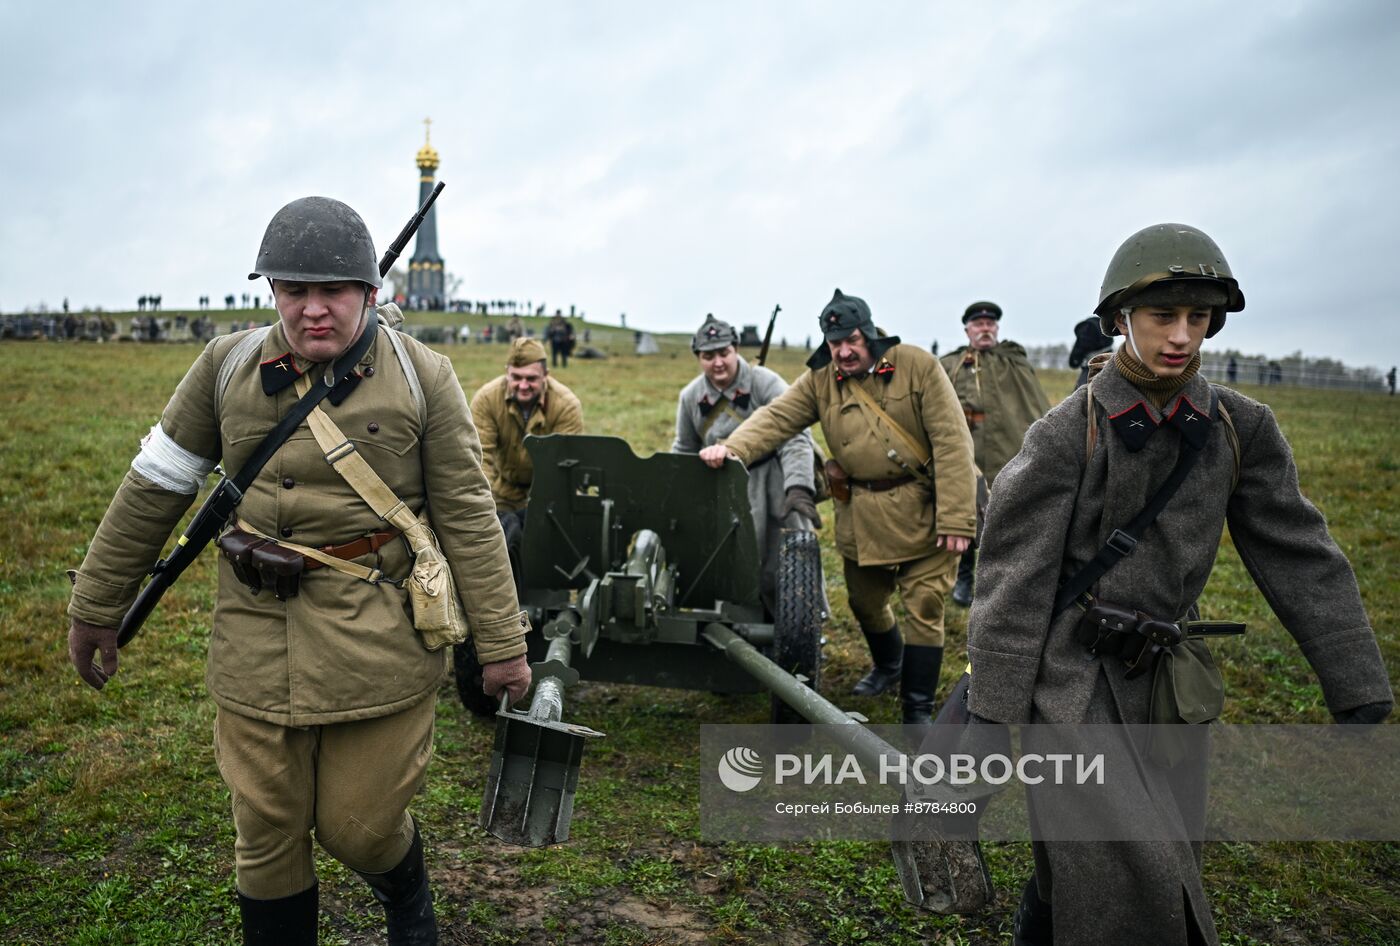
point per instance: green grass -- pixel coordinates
(114, 824)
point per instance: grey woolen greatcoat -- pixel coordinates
(768, 482)
(1050, 513)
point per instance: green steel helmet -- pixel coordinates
(1168, 264)
(317, 239)
(714, 335)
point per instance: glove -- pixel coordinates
(84, 641)
(1368, 714)
(801, 500)
(511, 675)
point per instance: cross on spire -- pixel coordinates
(427, 131)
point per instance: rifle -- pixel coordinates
(768, 335)
(219, 505)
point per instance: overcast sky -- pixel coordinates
(668, 160)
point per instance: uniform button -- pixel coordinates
(287, 532)
(369, 371)
(288, 483)
(373, 427)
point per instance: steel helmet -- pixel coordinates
(317, 239)
(1168, 264)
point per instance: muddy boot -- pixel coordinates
(1032, 926)
(283, 921)
(407, 901)
(919, 682)
(962, 590)
(887, 651)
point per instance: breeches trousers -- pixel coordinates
(350, 783)
(922, 583)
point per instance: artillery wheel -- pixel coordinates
(466, 667)
(797, 626)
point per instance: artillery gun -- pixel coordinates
(647, 571)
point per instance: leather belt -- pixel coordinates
(879, 486)
(974, 417)
(361, 546)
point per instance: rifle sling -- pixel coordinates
(1122, 541)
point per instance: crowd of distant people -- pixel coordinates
(101, 327)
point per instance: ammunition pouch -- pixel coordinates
(1109, 629)
(279, 568)
(838, 481)
(261, 563)
(1186, 684)
(237, 547)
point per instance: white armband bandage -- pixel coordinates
(169, 465)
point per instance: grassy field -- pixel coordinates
(114, 824)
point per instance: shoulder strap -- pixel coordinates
(240, 352)
(1091, 426)
(342, 454)
(415, 388)
(723, 406)
(1234, 440)
(912, 445)
(1124, 540)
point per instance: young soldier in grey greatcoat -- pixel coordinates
(325, 692)
(711, 406)
(1055, 505)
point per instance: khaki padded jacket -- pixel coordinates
(343, 649)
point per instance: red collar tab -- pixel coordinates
(1134, 426)
(1190, 421)
(278, 373)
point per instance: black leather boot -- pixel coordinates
(887, 650)
(962, 589)
(283, 921)
(919, 682)
(407, 901)
(1032, 926)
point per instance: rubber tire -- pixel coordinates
(466, 666)
(466, 670)
(797, 627)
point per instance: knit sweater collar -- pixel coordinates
(1158, 390)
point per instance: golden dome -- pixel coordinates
(427, 156)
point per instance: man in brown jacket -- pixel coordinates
(325, 691)
(523, 401)
(1063, 501)
(1000, 396)
(892, 422)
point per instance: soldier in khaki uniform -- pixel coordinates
(525, 400)
(1062, 502)
(1000, 396)
(325, 695)
(893, 424)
